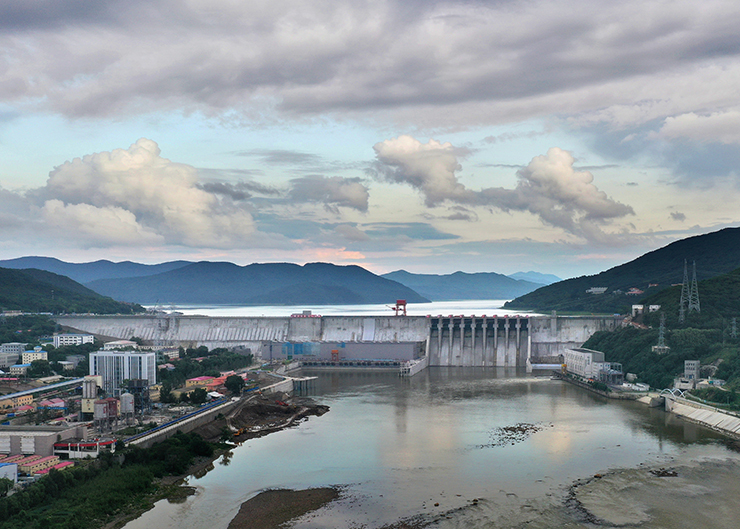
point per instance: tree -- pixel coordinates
(5, 485)
(198, 396)
(234, 383)
(165, 394)
(39, 368)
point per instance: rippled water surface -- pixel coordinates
(515, 443)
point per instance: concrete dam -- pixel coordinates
(446, 341)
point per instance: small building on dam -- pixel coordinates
(493, 341)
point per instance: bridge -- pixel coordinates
(485, 341)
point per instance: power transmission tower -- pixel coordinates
(661, 348)
(684, 294)
(694, 294)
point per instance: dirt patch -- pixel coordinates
(272, 508)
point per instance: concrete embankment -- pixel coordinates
(618, 395)
(704, 415)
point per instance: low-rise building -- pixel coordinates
(19, 369)
(8, 359)
(691, 369)
(118, 345)
(37, 354)
(33, 467)
(580, 361)
(590, 364)
(36, 439)
(13, 347)
(198, 382)
(60, 339)
(66, 365)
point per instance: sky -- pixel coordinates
(563, 136)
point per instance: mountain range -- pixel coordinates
(86, 272)
(185, 282)
(258, 284)
(460, 285)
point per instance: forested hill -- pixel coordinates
(715, 253)
(706, 336)
(34, 290)
(259, 284)
(460, 285)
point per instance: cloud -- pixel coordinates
(407, 230)
(239, 191)
(675, 215)
(472, 62)
(559, 195)
(549, 186)
(352, 233)
(332, 192)
(97, 226)
(283, 157)
(147, 195)
(722, 127)
(428, 167)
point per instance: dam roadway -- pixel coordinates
(475, 341)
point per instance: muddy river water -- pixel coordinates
(476, 448)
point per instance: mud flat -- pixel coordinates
(272, 508)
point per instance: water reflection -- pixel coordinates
(398, 446)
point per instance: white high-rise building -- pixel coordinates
(117, 366)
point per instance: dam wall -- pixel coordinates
(446, 341)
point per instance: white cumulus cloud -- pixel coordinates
(548, 187)
(428, 167)
(147, 195)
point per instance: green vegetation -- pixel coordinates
(26, 329)
(705, 336)
(186, 368)
(234, 384)
(34, 290)
(90, 494)
(715, 253)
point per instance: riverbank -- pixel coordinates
(260, 415)
(617, 395)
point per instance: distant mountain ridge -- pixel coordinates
(536, 277)
(35, 290)
(715, 253)
(258, 284)
(86, 272)
(461, 285)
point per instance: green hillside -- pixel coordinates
(715, 253)
(39, 291)
(706, 336)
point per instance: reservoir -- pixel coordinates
(475, 448)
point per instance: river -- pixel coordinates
(425, 448)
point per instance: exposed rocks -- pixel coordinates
(511, 435)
